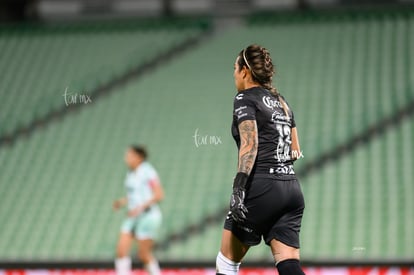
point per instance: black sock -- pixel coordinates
(289, 267)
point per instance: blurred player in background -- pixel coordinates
(144, 192)
(267, 200)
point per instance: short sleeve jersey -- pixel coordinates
(138, 184)
(274, 129)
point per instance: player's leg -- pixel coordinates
(146, 232)
(238, 238)
(145, 255)
(286, 258)
(283, 237)
(123, 261)
(231, 253)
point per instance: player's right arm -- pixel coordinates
(245, 110)
(119, 203)
(248, 146)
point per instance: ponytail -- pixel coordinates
(257, 59)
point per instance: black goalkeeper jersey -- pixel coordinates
(274, 153)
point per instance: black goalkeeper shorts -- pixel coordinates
(275, 204)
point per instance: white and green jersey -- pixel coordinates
(139, 184)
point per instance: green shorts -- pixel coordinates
(145, 226)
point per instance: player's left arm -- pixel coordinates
(157, 191)
(157, 196)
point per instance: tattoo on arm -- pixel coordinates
(248, 145)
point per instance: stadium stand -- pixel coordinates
(45, 62)
(58, 184)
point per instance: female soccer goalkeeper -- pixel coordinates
(267, 200)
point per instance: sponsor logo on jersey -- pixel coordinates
(239, 96)
(241, 115)
(278, 116)
(241, 108)
(286, 170)
(271, 103)
(239, 112)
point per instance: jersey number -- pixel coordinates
(284, 142)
